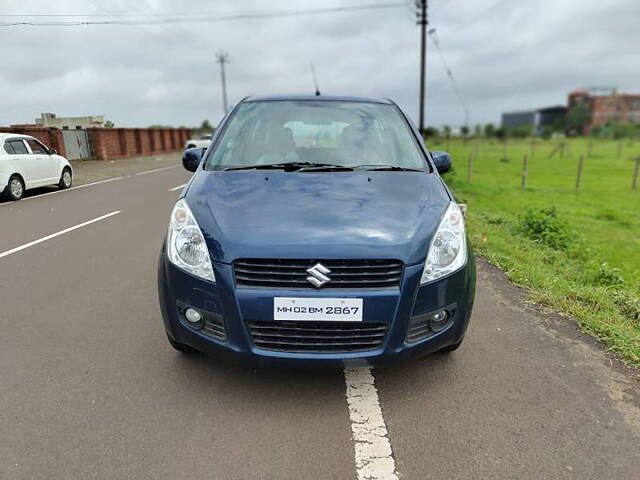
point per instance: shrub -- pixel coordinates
(608, 277)
(546, 227)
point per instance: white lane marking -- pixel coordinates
(62, 191)
(146, 172)
(374, 458)
(177, 188)
(57, 234)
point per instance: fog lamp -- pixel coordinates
(439, 320)
(192, 316)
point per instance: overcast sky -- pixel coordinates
(504, 55)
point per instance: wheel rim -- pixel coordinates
(16, 188)
(66, 178)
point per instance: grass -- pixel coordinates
(577, 251)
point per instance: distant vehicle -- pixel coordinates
(316, 229)
(26, 163)
(202, 142)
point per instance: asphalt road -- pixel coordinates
(89, 387)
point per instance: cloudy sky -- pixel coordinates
(504, 55)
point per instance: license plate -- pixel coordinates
(317, 309)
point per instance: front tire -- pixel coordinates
(181, 347)
(66, 179)
(451, 348)
(15, 188)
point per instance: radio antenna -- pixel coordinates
(315, 79)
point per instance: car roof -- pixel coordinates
(7, 136)
(327, 98)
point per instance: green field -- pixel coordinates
(584, 259)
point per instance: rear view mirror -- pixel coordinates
(191, 158)
(52, 151)
(442, 160)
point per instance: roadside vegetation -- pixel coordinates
(577, 250)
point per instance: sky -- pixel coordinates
(503, 54)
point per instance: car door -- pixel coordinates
(23, 161)
(45, 164)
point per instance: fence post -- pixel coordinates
(636, 172)
(525, 172)
(590, 149)
(579, 176)
(504, 149)
(469, 167)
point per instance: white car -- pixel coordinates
(202, 142)
(25, 163)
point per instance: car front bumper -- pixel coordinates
(237, 307)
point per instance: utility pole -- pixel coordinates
(421, 6)
(222, 57)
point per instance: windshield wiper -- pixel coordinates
(287, 166)
(386, 168)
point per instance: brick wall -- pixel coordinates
(114, 143)
(51, 137)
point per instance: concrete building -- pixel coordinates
(612, 108)
(51, 120)
(536, 119)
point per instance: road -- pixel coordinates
(89, 387)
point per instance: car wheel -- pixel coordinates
(181, 347)
(66, 179)
(451, 348)
(15, 188)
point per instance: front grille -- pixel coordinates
(327, 337)
(285, 273)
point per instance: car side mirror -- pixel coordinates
(442, 160)
(191, 158)
(52, 151)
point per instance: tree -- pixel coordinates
(464, 130)
(577, 118)
(109, 124)
(431, 132)
(446, 130)
(206, 125)
(489, 130)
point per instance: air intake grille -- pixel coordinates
(285, 273)
(214, 326)
(328, 337)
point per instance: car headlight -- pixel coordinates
(448, 249)
(186, 247)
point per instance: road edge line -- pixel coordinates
(373, 454)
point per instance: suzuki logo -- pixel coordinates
(318, 275)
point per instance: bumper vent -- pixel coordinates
(285, 273)
(318, 337)
(214, 326)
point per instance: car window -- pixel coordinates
(36, 147)
(8, 148)
(19, 148)
(336, 132)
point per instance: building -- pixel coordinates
(536, 119)
(51, 120)
(613, 107)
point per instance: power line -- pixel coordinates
(434, 37)
(181, 18)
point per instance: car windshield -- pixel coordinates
(347, 134)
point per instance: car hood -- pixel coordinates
(376, 215)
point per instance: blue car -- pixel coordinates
(316, 230)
